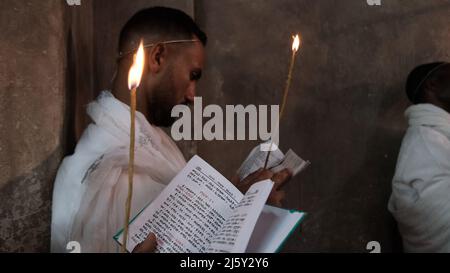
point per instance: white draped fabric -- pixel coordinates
(420, 199)
(91, 185)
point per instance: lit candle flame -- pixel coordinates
(135, 74)
(296, 43)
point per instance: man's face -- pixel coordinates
(177, 84)
(442, 85)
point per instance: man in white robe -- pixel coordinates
(420, 200)
(91, 185)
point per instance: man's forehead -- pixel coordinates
(194, 52)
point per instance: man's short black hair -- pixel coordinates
(159, 22)
(419, 77)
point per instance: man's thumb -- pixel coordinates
(147, 246)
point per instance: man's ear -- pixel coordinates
(157, 58)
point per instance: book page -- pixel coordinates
(256, 160)
(292, 162)
(189, 211)
(233, 237)
(272, 229)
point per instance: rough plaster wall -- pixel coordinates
(32, 73)
(345, 110)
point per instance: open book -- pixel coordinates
(201, 211)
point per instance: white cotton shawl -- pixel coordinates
(91, 185)
(420, 199)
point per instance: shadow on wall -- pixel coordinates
(346, 218)
(371, 184)
(70, 99)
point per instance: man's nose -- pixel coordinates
(190, 93)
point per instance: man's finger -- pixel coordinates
(276, 198)
(235, 179)
(281, 178)
(257, 176)
(147, 246)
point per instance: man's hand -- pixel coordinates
(147, 246)
(280, 179)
